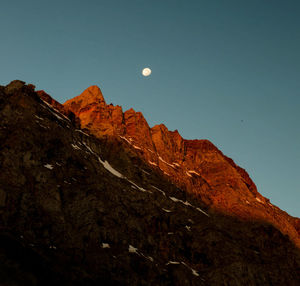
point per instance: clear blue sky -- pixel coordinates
(227, 71)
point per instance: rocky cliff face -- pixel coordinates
(195, 165)
(90, 195)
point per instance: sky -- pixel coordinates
(227, 71)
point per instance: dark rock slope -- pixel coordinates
(81, 210)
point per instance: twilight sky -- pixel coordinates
(227, 71)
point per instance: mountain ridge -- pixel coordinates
(196, 164)
(76, 209)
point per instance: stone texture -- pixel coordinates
(194, 165)
(65, 201)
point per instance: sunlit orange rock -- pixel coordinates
(195, 165)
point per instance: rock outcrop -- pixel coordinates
(86, 207)
(195, 165)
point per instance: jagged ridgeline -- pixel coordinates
(91, 195)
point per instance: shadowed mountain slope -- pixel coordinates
(82, 206)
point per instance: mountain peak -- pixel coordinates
(92, 95)
(94, 92)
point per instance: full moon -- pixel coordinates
(146, 72)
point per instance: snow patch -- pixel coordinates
(193, 172)
(105, 245)
(172, 262)
(199, 210)
(40, 118)
(78, 130)
(136, 186)
(45, 127)
(136, 147)
(174, 199)
(194, 272)
(132, 249)
(109, 168)
(48, 166)
(75, 147)
(54, 110)
(259, 200)
(152, 163)
(124, 138)
(161, 159)
(188, 228)
(145, 172)
(167, 211)
(88, 147)
(159, 190)
(188, 204)
(188, 174)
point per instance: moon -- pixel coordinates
(146, 72)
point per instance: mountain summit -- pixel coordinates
(91, 95)
(197, 166)
(91, 195)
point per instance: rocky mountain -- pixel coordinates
(197, 166)
(91, 195)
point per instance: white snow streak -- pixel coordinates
(48, 166)
(189, 174)
(159, 190)
(54, 110)
(161, 159)
(75, 147)
(188, 204)
(124, 138)
(109, 168)
(136, 147)
(145, 172)
(152, 163)
(259, 200)
(140, 188)
(193, 172)
(132, 249)
(172, 262)
(40, 118)
(82, 132)
(194, 272)
(199, 210)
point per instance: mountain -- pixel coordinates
(91, 195)
(196, 166)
